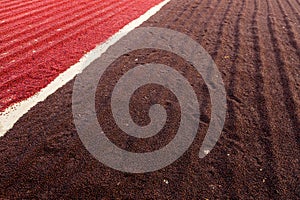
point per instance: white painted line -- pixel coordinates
(13, 113)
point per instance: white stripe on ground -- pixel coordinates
(13, 113)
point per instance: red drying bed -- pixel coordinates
(39, 39)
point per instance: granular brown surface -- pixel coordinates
(255, 44)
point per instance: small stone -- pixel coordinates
(212, 187)
(206, 152)
(166, 181)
